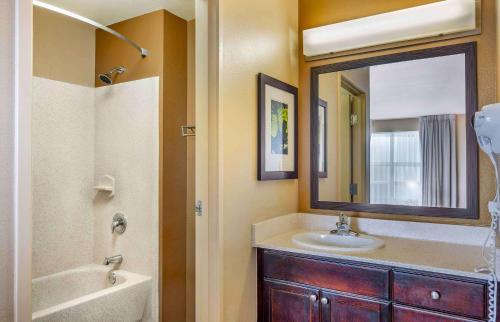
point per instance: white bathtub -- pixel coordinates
(84, 294)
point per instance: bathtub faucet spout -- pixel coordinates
(117, 259)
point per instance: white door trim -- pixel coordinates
(22, 159)
(208, 169)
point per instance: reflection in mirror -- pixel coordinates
(394, 134)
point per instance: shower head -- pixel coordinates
(107, 78)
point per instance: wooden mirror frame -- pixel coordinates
(472, 210)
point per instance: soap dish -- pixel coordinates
(106, 184)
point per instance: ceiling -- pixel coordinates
(110, 11)
(416, 88)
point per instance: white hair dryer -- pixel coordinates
(487, 126)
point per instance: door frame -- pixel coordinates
(208, 170)
(22, 239)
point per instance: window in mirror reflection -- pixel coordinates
(394, 134)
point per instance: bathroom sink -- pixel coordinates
(324, 240)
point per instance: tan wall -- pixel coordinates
(314, 13)
(257, 36)
(63, 48)
(6, 161)
(190, 186)
(165, 36)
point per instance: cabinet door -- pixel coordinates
(289, 303)
(341, 308)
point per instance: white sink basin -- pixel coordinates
(324, 240)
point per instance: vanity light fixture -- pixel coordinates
(434, 19)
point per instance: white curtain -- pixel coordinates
(439, 168)
(395, 168)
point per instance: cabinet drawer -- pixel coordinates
(348, 278)
(406, 314)
(453, 296)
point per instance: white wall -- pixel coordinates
(62, 174)
(6, 160)
(127, 147)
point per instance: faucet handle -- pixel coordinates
(344, 227)
(343, 221)
(119, 224)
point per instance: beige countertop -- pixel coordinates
(427, 255)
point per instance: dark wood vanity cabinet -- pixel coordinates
(336, 307)
(303, 288)
(290, 303)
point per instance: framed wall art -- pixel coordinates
(278, 135)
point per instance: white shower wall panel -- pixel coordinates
(63, 175)
(127, 147)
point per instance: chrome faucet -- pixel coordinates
(343, 227)
(119, 224)
(117, 259)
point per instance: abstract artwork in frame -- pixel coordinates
(277, 118)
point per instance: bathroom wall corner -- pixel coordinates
(173, 220)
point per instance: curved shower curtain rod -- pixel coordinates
(144, 52)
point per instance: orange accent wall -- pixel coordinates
(147, 31)
(174, 175)
(165, 36)
(313, 13)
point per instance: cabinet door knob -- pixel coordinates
(435, 295)
(324, 300)
(313, 298)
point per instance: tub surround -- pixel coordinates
(438, 248)
(80, 134)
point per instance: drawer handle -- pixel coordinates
(324, 300)
(435, 295)
(313, 298)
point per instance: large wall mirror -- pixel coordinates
(392, 134)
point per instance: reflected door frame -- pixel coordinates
(361, 120)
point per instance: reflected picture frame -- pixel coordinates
(322, 138)
(277, 129)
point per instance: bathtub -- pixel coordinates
(84, 294)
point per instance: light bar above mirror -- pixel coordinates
(430, 20)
